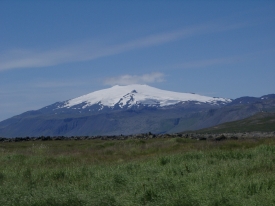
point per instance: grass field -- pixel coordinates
(168, 171)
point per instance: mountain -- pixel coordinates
(121, 98)
(260, 122)
(132, 109)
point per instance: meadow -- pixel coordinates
(161, 171)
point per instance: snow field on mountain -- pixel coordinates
(135, 94)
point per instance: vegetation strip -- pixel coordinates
(167, 171)
(197, 136)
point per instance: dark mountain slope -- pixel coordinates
(114, 123)
(262, 122)
(236, 110)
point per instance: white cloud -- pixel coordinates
(87, 51)
(135, 79)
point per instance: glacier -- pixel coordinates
(137, 94)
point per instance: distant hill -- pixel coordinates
(262, 122)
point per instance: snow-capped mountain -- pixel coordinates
(133, 96)
(133, 109)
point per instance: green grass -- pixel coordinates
(138, 172)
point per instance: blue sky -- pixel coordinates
(56, 50)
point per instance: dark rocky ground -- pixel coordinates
(196, 136)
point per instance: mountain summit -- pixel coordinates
(125, 97)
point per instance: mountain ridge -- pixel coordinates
(162, 112)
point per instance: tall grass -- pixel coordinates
(138, 172)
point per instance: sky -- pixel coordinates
(53, 51)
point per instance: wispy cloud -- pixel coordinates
(135, 79)
(60, 84)
(88, 51)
